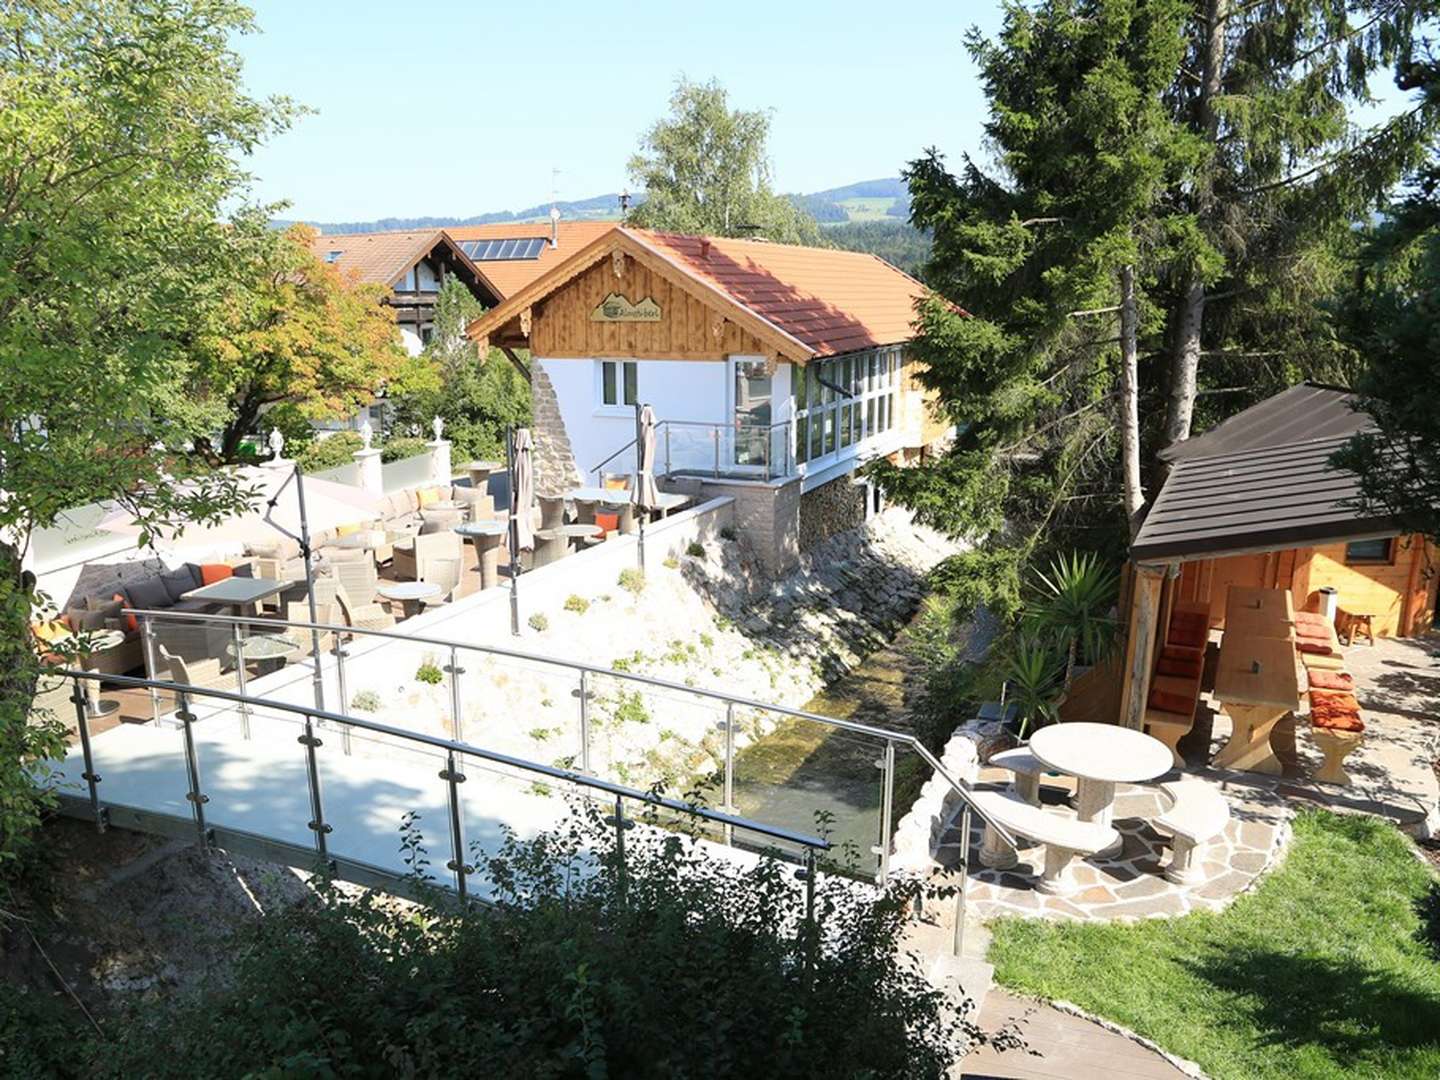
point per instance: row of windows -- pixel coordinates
(841, 401)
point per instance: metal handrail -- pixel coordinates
(901, 738)
(767, 428)
(774, 832)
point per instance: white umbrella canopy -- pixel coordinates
(646, 497)
(522, 486)
(327, 506)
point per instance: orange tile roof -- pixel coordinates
(509, 276)
(379, 257)
(830, 300)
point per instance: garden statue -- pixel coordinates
(277, 443)
(438, 425)
(367, 433)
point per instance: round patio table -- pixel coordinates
(480, 473)
(410, 595)
(1100, 756)
(267, 651)
(489, 537)
(575, 534)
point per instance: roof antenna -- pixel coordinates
(554, 209)
(625, 201)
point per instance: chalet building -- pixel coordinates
(774, 372)
(413, 266)
(1254, 502)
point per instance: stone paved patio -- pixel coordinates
(1399, 691)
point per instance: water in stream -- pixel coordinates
(803, 768)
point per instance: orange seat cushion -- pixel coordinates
(131, 623)
(1332, 680)
(1164, 701)
(1189, 629)
(1315, 647)
(213, 572)
(1336, 710)
(1313, 633)
(1311, 618)
(608, 523)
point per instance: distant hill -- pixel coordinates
(866, 201)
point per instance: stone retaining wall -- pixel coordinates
(830, 509)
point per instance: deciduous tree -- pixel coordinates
(704, 169)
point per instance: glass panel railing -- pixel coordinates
(747, 451)
(408, 472)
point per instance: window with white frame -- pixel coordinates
(618, 383)
(843, 401)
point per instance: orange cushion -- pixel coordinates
(1334, 710)
(1312, 633)
(1311, 618)
(1164, 701)
(1188, 629)
(608, 523)
(215, 571)
(1305, 645)
(1331, 680)
(131, 623)
(1188, 667)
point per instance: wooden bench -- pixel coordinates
(1175, 683)
(1337, 736)
(1063, 835)
(1169, 725)
(1197, 814)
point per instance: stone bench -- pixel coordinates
(1063, 835)
(1197, 814)
(1027, 769)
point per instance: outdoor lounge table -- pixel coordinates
(489, 537)
(615, 499)
(410, 595)
(1100, 756)
(577, 532)
(267, 652)
(240, 593)
(1256, 685)
(480, 473)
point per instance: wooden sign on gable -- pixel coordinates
(618, 308)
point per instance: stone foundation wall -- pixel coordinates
(829, 510)
(767, 516)
(554, 460)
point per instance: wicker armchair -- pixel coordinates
(358, 580)
(204, 672)
(444, 573)
(366, 616)
(410, 560)
(299, 611)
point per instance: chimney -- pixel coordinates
(554, 226)
(704, 247)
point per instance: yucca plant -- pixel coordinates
(1033, 672)
(1073, 608)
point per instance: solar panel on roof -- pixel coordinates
(507, 250)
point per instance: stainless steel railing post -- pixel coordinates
(454, 670)
(147, 637)
(958, 944)
(667, 449)
(584, 721)
(196, 797)
(887, 808)
(238, 644)
(715, 435)
(453, 778)
(620, 825)
(729, 807)
(342, 686)
(91, 777)
(317, 806)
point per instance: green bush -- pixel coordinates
(538, 622)
(429, 673)
(577, 604)
(405, 446)
(365, 701)
(632, 579)
(727, 533)
(677, 965)
(330, 452)
(696, 550)
(671, 563)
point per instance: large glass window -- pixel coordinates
(619, 382)
(842, 401)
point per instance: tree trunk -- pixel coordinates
(1190, 319)
(1130, 400)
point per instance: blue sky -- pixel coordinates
(449, 107)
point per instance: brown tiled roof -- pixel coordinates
(377, 257)
(509, 276)
(833, 301)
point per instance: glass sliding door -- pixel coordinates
(753, 392)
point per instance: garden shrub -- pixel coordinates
(696, 550)
(632, 579)
(680, 965)
(429, 673)
(330, 452)
(538, 622)
(406, 446)
(577, 604)
(365, 701)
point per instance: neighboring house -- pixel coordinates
(1255, 502)
(513, 254)
(774, 371)
(413, 266)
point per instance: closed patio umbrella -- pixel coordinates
(644, 495)
(522, 538)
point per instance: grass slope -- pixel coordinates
(1318, 973)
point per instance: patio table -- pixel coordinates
(1100, 756)
(1249, 622)
(480, 473)
(489, 537)
(267, 651)
(239, 593)
(1274, 603)
(577, 532)
(1257, 686)
(410, 595)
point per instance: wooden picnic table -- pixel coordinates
(1249, 622)
(1257, 685)
(1275, 603)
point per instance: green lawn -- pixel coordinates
(868, 208)
(1318, 973)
